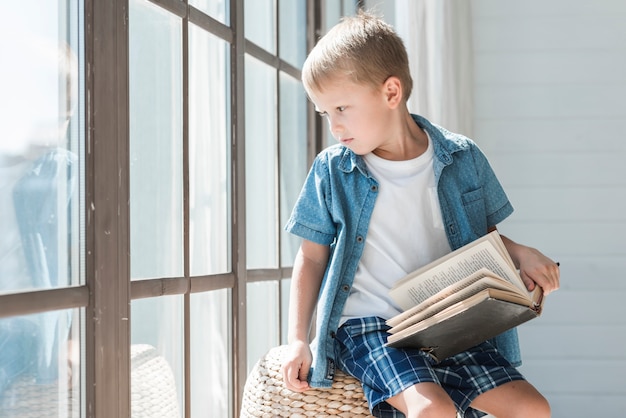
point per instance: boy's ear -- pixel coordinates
(392, 89)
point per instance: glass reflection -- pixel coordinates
(217, 9)
(39, 147)
(210, 353)
(285, 287)
(157, 357)
(260, 23)
(262, 319)
(292, 36)
(209, 154)
(261, 160)
(156, 203)
(293, 157)
(40, 365)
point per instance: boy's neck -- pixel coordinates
(409, 141)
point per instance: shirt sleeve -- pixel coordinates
(497, 204)
(311, 217)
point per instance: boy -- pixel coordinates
(395, 194)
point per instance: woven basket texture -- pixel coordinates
(152, 384)
(265, 394)
(26, 398)
(153, 392)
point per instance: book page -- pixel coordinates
(455, 290)
(445, 299)
(423, 283)
(448, 312)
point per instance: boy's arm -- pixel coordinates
(308, 272)
(535, 268)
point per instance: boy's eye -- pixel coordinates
(338, 109)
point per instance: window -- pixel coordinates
(152, 153)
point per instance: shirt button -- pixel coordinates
(332, 334)
(359, 239)
(346, 288)
(374, 188)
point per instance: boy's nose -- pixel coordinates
(335, 128)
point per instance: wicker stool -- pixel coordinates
(265, 394)
(152, 384)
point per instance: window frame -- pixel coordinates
(108, 290)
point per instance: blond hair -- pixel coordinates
(365, 49)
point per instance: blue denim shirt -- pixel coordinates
(335, 207)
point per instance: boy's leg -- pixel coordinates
(424, 400)
(511, 400)
(386, 372)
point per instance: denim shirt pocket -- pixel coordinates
(474, 205)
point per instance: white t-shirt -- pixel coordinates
(405, 232)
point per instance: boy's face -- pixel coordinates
(358, 115)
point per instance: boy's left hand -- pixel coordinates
(535, 268)
(538, 270)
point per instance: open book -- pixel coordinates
(462, 299)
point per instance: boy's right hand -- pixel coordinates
(296, 366)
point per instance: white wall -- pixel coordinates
(550, 91)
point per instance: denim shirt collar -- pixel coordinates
(350, 161)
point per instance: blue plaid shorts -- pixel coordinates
(385, 372)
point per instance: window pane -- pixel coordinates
(217, 9)
(40, 365)
(293, 157)
(263, 319)
(260, 23)
(285, 285)
(334, 10)
(292, 34)
(332, 14)
(261, 210)
(157, 357)
(155, 142)
(211, 362)
(209, 153)
(41, 157)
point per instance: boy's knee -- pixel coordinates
(539, 408)
(536, 406)
(424, 400)
(433, 410)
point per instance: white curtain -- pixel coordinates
(438, 38)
